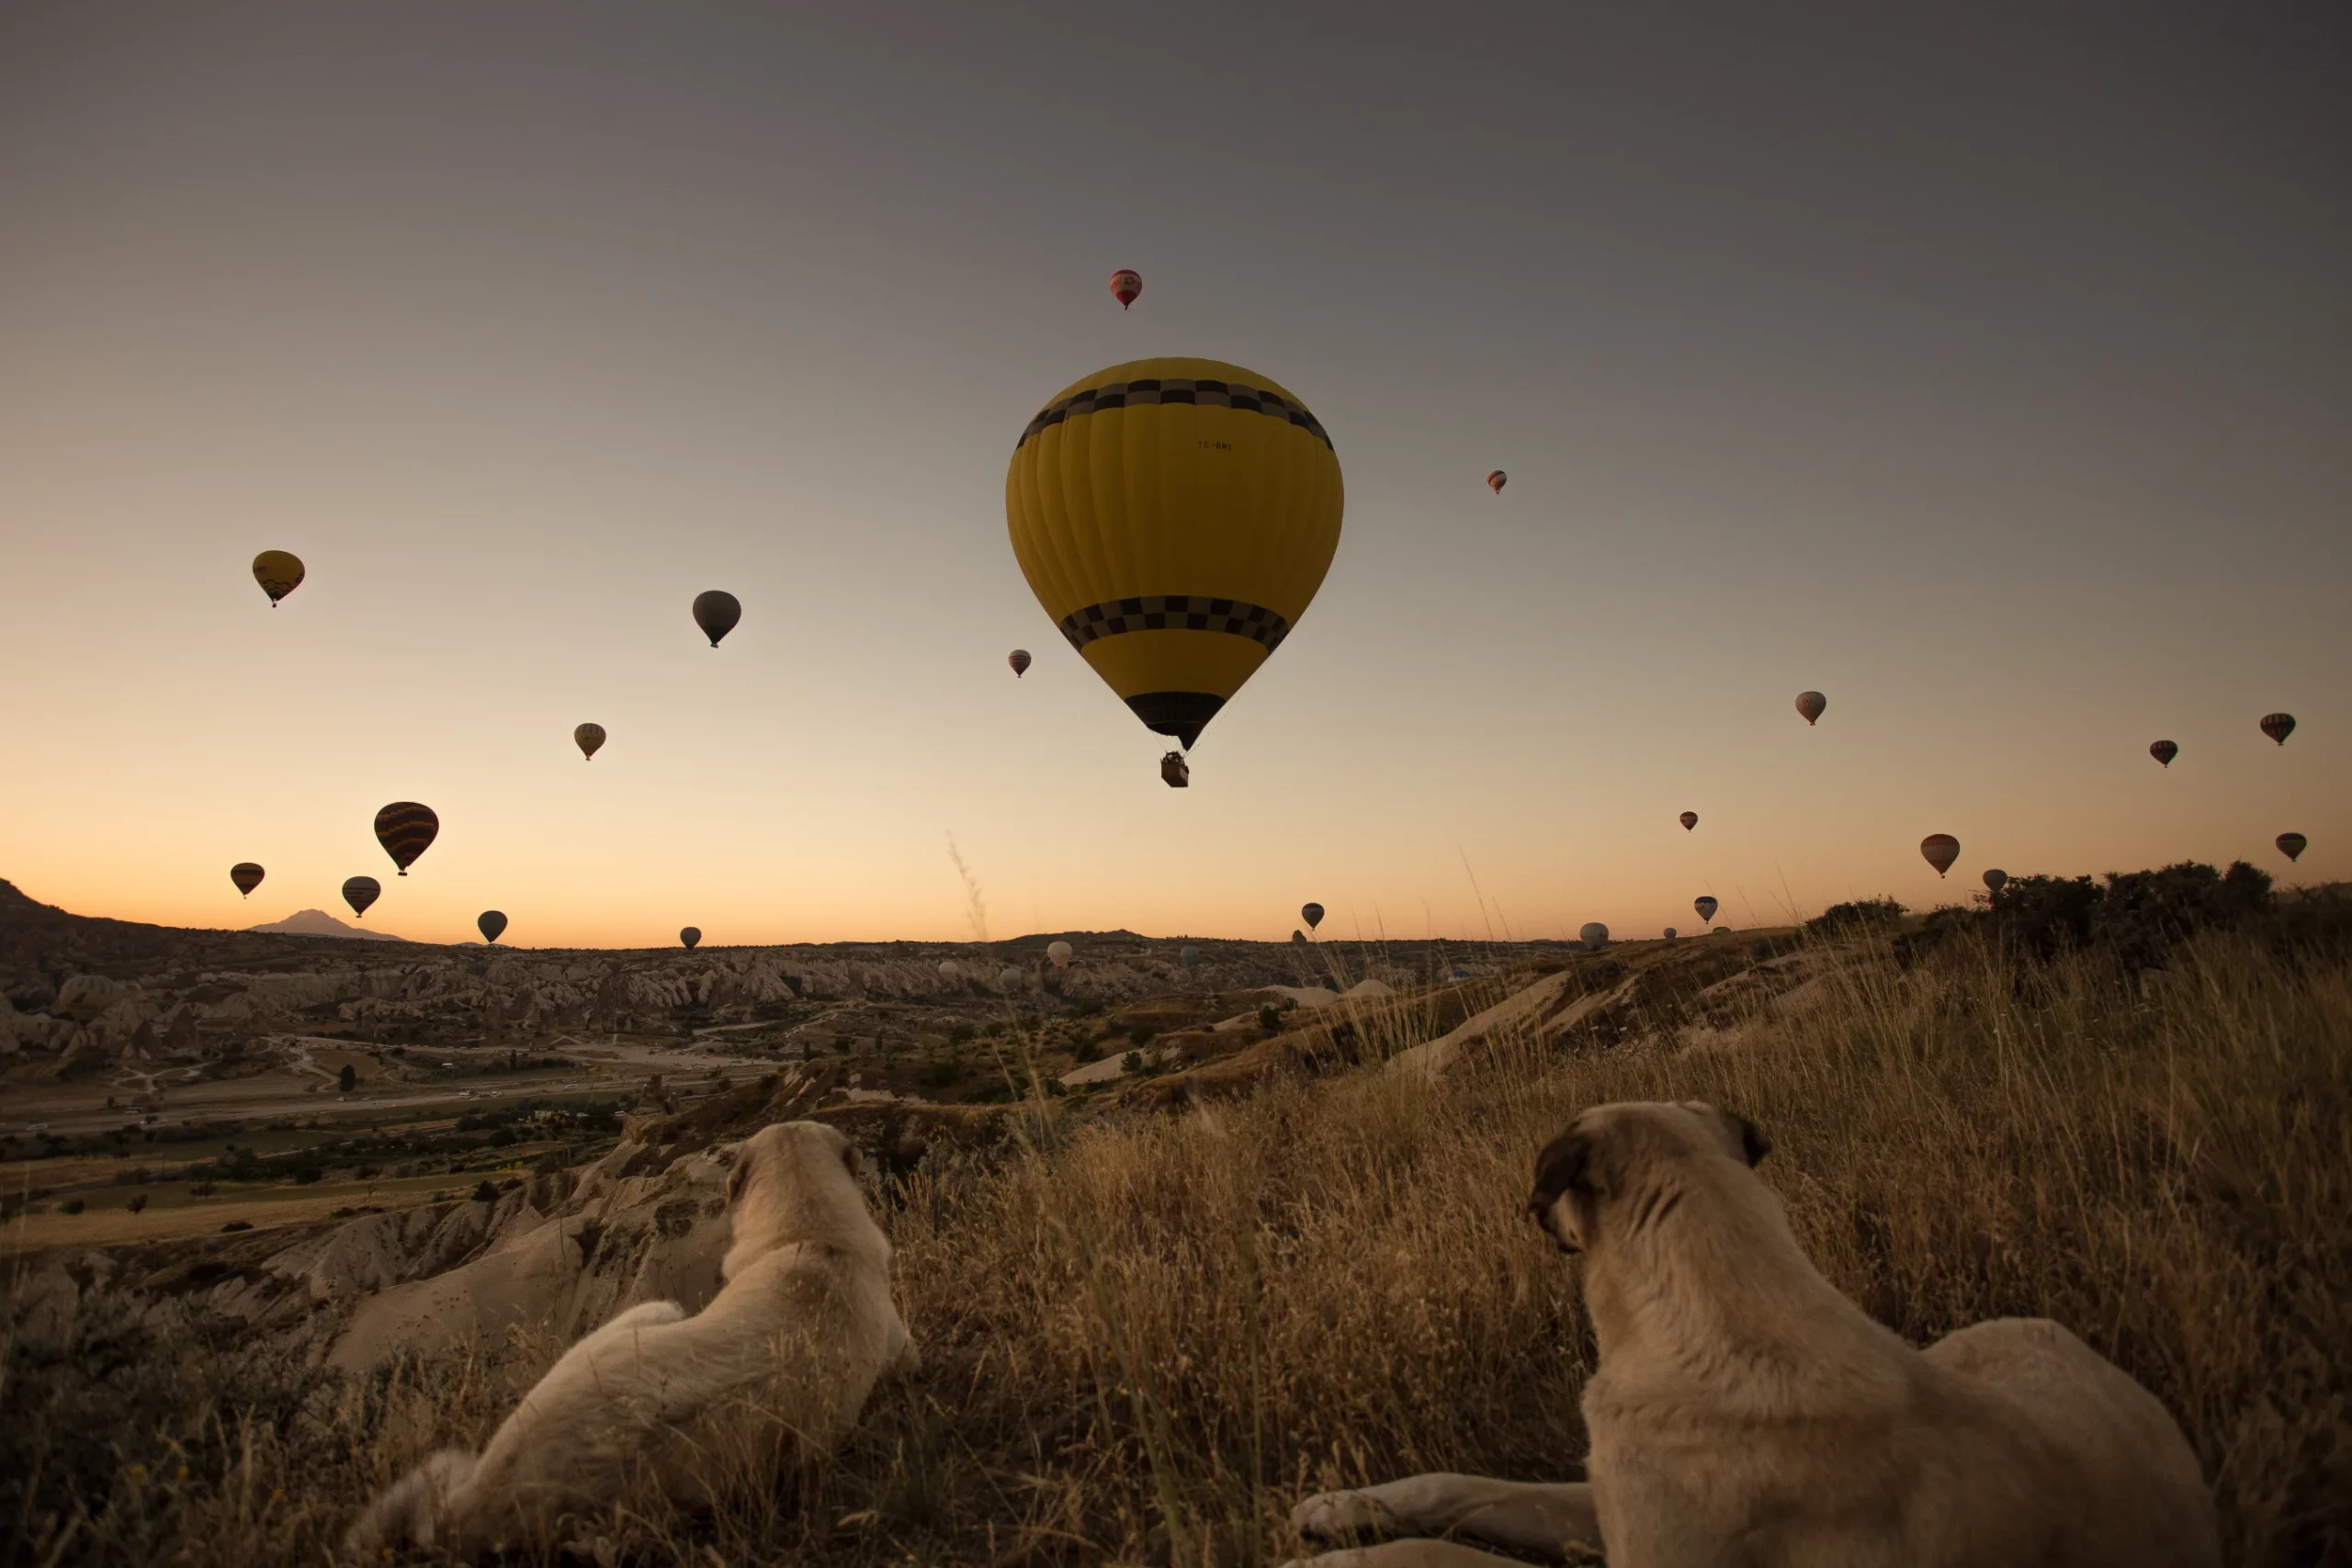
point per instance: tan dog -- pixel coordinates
(1746, 1414)
(784, 1354)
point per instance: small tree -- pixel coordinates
(1270, 1019)
(1132, 1064)
(485, 1193)
(137, 1202)
(347, 1079)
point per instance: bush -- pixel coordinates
(2136, 918)
(347, 1079)
(1132, 1064)
(1270, 1019)
(1141, 1034)
(484, 1193)
(73, 1205)
(1857, 918)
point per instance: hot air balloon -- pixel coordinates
(2292, 845)
(491, 923)
(1689, 820)
(2278, 725)
(1013, 978)
(279, 573)
(690, 935)
(1020, 660)
(1312, 914)
(1059, 951)
(246, 875)
(1706, 906)
(950, 970)
(588, 737)
(1813, 705)
(1124, 286)
(1669, 934)
(1496, 479)
(2164, 751)
(406, 830)
(1595, 936)
(1995, 879)
(716, 613)
(361, 891)
(1191, 955)
(1940, 851)
(1174, 518)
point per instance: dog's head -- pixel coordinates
(1625, 1166)
(793, 1181)
(787, 1151)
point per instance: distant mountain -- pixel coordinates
(317, 923)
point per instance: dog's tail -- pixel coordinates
(411, 1510)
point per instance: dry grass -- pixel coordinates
(1146, 1338)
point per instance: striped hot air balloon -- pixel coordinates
(1126, 285)
(361, 891)
(2164, 751)
(1813, 705)
(2278, 725)
(2292, 845)
(1689, 820)
(690, 935)
(406, 830)
(1019, 660)
(588, 737)
(1939, 849)
(279, 573)
(491, 923)
(246, 875)
(1495, 479)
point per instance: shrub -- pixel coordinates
(1270, 1019)
(484, 1193)
(1132, 1064)
(347, 1079)
(1858, 917)
(73, 1205)
(1141, 1034)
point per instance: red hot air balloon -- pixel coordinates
(588, 737)
(246, 875)
(2164, 751)
(1813, 705)
(1496, 479)
(1940, 851)
(716, 613)
(1689, 820)
(1020, 660)
(1706, 906)
(491, 923)
(406, 830)
(2292, 845)
(690, 935)
(2278, 725)
(1124, 286)
(361, 891)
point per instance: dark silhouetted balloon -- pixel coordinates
(1939, 849)
(406, 830)
(1496, 479)
(1689, 820)
(491, 923)
(1126, 285)
(2292, 845)
(1669, 934)
(246, 875)
(1020, 660)
(1995, 879)
(690, 934)
(1706, 906)
(1813, 705)
(1312, 914)
(2164, 751)
(361, 891)
(1595, 935)
(716, 613)
(279, 573)
(589, 737)
(2278, 725)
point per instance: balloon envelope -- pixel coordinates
(279, 573)
(491, 923)
(716, 612)
(950, 970)
(2164, 751)
(1312, 914)
(246, 875)
(1126, 285)
(588, 737)
(1020, 660)
(1175, 518)
(2292, 845)
(1059, 953)
(690, 934)
(2278, 725)
(1813, 705)
(361, 891)
(1995, 879)
(1689, 820)
(1669, 934)
(1595, 935)
(1706, 906)
(406, 830)
(1496, 479)
(1939, 849)
(1012, 979)
(1191, 955)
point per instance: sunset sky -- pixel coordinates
(1990, 373)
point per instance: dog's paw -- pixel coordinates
(1341, 1515)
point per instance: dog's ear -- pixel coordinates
(855, 1161)
(1565, 1165)
(1753, 1144)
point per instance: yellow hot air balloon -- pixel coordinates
(1174, 518)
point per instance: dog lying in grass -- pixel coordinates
(781, 1360)
(1745, 1414)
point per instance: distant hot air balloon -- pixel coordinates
(2164, 751)
(1020, 660)
(950, 970)
(1705, 904)
(1059, 951)
(716, 612)
(1669, 934)
(1496, 479)
(1595, 936)
(491, 923)
(406, 830)
(1011, 977)
(1689, 820)
(1191, 955)
(1813, 705)
(279, 573)
(588, 737)
(1995, 879)
(1312, 914)
(361, 891)
(246, 875)
(690, 935)
(2278, 725)
(1939, 849)
(1124, 286)
(2292, 845)
(1174, 518)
